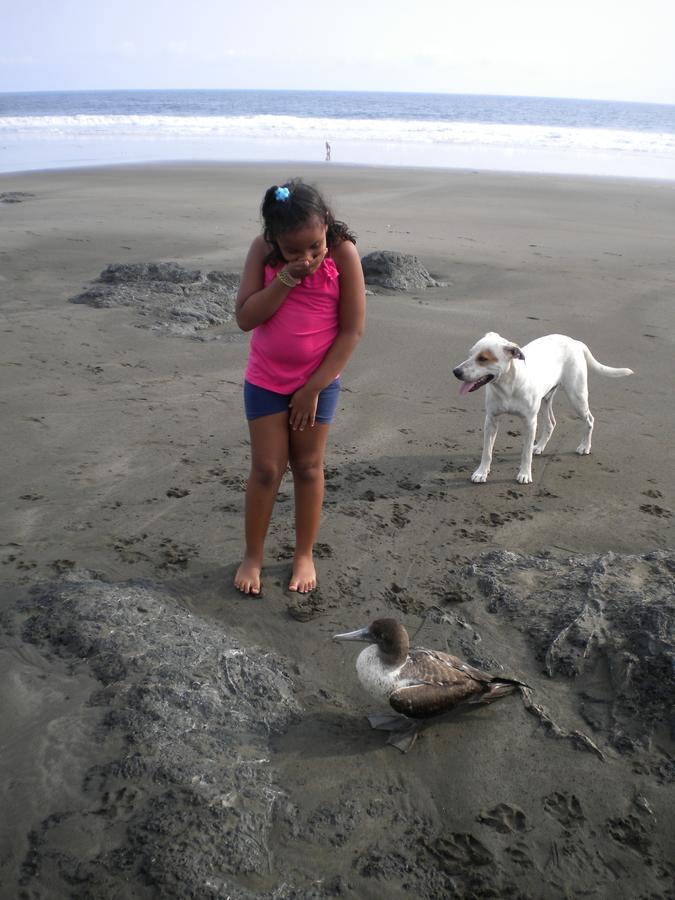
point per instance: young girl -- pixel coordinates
(302, 293)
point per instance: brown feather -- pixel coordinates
(438, 682)
(421, 701)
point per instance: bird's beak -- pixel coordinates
(361, 634)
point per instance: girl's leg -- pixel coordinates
(269, 460)
(306, 457)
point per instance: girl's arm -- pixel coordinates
(255, 302)
(352, 315)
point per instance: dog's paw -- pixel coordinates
(537, 451)
(479, 477)
(524, 478)
(583, 450)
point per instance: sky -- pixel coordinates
(601, 49)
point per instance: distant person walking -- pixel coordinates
(303, 296)
(327, 152)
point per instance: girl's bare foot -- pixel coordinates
(247, 579)
(303, 578)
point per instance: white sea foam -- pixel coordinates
(296, 128)
(62, 141)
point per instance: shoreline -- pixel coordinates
(375, 154)
(327, 167)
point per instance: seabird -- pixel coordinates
(417, 683)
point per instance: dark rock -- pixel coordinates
(172, 299)
(15, 196)
(184, 803)
(148, 273)
(396, 271)
(607, 619)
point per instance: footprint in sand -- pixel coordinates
(480, 537)
(398, 518)
(519, 856)
(61, 566)
(504, 818)
(304, 607)
(123, 547)
(405, 484)
(629, 832)
(654, 510)
(463, 850)
(566, 808)
(176, 556)
(177, 492)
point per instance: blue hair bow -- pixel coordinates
(282, 193)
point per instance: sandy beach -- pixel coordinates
(125, 456)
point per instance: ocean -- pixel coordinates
(54, 129)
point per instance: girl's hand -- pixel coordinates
(300, 268)
(303, 408)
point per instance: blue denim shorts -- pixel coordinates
(260, 402)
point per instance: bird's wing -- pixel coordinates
(433, 667)
(418, 701)
(435, 682)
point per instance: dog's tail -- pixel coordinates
(596, 366)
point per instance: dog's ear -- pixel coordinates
(514, 351)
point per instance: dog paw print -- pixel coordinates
(629, 832)
(495, 519)
(177, 492)
(462, 850)
(398, 518)
(124, 547)
(566, 808)
(504, 818)
(653, 493)
(303, 607)
(176, 556)
(61, 566)
(653, 509)
(406, 484)
(519, 856)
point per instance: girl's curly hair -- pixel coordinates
(295, 210)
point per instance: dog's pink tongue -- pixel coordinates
(466, 386)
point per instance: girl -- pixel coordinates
(302, 293)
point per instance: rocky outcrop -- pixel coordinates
(396, 271)
(172, 299)
(15, 196)
(184, 801)
(606, 621)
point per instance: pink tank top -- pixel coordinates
(290, 345)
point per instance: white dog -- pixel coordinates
(519, 380)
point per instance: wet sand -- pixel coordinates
(125, 453)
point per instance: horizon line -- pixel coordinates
(336, 91)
